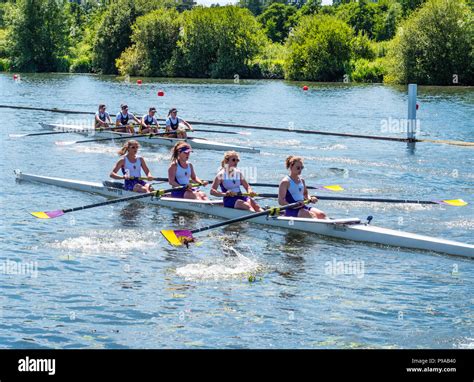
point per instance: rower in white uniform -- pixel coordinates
(293, 189)
(131, 166)
(123, 118)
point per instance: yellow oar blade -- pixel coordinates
(335, 187)
(40, 215)
(455, 202)
(171, 237)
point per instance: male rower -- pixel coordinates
(122, 119)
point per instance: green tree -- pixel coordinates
(254, 6)
(154, 38)
(217, 42)
(311, 7)
(319, 49)
(387, 23)
(434, 46)
(113, 35)
(277, 21)
(37, 37)
(409, 6)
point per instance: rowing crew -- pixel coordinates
(147, 124)
(227, 184)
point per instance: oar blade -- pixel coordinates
(178, 237)
(454, 202)
(17, 135)
(335, 188)
(48, 214)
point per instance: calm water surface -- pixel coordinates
(106, 279)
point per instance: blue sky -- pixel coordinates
(223, 2)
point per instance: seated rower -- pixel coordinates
(149, 123)
(181, 173)
(293, 189)
(131, 165)
(230, 178)
(122, 119)
(102, 118)
(175, 126)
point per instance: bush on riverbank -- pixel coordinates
(154, 43)
(319, 49)
(434, 46)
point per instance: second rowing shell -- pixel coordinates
(197, 143)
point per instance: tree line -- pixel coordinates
(393, 41)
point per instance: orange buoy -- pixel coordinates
(305, 88)
(161, 93)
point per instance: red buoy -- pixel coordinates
(15, 76)
(161, 93)
(139, 82)
(305, 88)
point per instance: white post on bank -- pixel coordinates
(411, 125)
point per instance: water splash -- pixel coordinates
(232, 266)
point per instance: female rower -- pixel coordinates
(122, 119)
(102, 118)
(293, 189)
(181, 173)
(148, 121)
(173, 124)
(230, 178)
(131, 165)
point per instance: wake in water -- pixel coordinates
(233, 265)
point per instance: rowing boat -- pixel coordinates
(197, 143)
(350, 229)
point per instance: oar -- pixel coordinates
(66, 131)
(180, 237)
(57, 213)
(67, 143)
(449, 202)
(334, 187)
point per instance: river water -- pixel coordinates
(104, 277)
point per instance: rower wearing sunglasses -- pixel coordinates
(230, 179)
(293, 189)
(123, 118)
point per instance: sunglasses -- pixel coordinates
(235, 160)
(134, 147)
(299, 167)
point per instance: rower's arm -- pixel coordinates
(114, 174)
(245, 184)
(136, 119)
(187, 125)
(99, 121)
(172, 176)
(146, 170)
(282, 193)
(305, 193)
(214, 188)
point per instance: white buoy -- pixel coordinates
(411, 128)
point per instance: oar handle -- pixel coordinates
(271, 211)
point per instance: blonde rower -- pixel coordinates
(230, 178)
(181, 173)
(293, 189)
(131, 166)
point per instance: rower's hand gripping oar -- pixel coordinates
(448, 202)
(58, 213)
(334, 187)
(180, 237)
